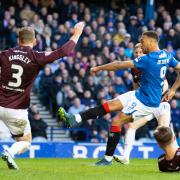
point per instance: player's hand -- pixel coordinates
(78, 28)
(94, 70)
(168, 96)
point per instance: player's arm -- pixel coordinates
(135, 86)
(116, 65)
(169, 95)
(176, 65)
(44, 58)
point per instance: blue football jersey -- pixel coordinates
(154, 67)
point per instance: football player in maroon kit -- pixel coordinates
(19, 68)
(170, 161)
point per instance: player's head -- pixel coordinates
(27, 36)
(149, 40)
(164, 136)
(138, 52)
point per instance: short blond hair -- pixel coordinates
(138, 45)
(26, 34)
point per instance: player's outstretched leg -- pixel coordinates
(67, 118)
(74, 120)
(92, 113)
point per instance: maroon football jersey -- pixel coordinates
(19, 68)
(136, 73)
(170, 165)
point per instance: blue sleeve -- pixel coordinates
(173, 62)
(141, 62)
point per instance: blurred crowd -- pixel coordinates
(110, 33)
(38, 126)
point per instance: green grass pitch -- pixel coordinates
(77, 169)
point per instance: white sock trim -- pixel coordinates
(108, 158)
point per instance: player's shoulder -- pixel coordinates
(168, 54)
(161, 158)
(36, 54)
(45, 53)
(144, 57)
(7, 50)
(178, 152)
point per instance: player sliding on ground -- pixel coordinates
(170, 161)
(145, 101)
(19, 68)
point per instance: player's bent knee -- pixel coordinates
(121, 119)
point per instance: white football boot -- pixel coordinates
(6, 156)
(121, 159)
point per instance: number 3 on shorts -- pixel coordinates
(16, 76)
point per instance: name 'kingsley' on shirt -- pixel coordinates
(20, 58)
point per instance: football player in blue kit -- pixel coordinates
(146, 99)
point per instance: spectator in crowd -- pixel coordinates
(31, 111)
(38, 128)
(175, 115)
(45, 83)
(76, 107)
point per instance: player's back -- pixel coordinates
(19, 68)
(154, 67)
(172, 165)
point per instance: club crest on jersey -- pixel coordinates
(137, 59)
(162, 55)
